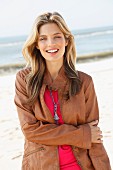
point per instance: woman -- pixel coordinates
(56, 104)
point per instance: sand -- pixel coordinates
(11, 137)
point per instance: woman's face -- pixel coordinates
(51, 42)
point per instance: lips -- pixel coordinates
(52, 50)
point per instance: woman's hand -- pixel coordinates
(96, 133)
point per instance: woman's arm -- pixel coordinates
(97, 151)
(48, 134)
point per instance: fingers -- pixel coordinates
(93, 123)
(98, 141)
(96, 133)
(98, 129)
(99, 138)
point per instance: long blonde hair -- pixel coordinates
(37, 62)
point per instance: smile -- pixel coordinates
(52, 51)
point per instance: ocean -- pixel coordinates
(89, 42)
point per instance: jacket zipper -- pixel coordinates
(33, 151)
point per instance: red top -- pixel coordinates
(67, 159)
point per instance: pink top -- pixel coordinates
(67, 159)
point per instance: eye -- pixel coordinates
(42, 38)
(57, 37)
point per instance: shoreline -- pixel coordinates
(97, 55)
(10, 69)
(81, 58)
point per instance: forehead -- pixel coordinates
(49, 29)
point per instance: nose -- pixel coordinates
(50, 41)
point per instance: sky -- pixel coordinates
(17, 16)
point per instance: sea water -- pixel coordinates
(88, 41)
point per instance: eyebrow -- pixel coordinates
(53, 34)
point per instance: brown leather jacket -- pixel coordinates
(42, 135)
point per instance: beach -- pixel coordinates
(11, 137)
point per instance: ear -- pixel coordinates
(37, 47)
(66, 43)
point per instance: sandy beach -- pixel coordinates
(11, 137)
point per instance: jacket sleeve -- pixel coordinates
(97, 152)
(49, 134)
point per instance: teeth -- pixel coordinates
(52, 51)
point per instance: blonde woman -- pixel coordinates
(56, 104)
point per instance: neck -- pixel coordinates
(53, 68)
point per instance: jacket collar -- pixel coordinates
(60, 81)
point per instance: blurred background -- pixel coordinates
(91, 22)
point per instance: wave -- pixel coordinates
(12, 65)
(79, 57)
(11, 44)
(102, 33)
(98, 55)
(11, 68)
